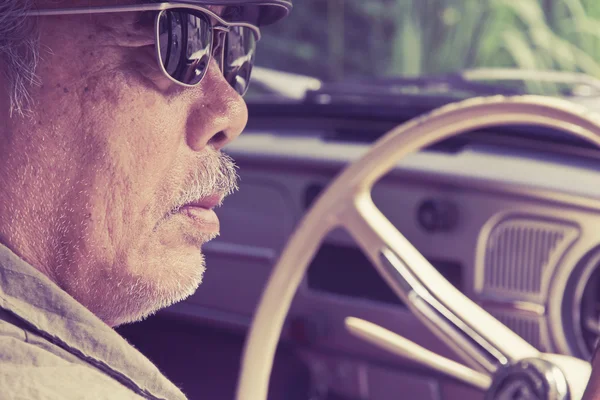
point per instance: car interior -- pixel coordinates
(475, 135)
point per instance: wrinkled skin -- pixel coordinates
(92, 181)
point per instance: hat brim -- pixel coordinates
(260, 12)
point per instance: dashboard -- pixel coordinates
(515, 227)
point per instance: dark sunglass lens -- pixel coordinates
(170, 37)
(184, 45)
(240, 51)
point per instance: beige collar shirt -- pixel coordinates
(51, 347)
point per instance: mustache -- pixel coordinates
(216, 174)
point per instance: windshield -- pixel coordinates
(505, 41)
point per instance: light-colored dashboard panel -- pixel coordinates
(260, 215)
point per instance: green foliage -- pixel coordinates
(334, 39)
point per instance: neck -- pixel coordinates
(26, 201)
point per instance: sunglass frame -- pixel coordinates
(222, 24)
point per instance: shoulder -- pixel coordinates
(10, 326)
(32, 367)
(19, 346)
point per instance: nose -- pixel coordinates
(218, 114)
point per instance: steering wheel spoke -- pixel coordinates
(444, 309)
(396, 344)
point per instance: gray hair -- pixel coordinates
(19, 53)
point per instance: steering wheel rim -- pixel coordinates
(347, 203)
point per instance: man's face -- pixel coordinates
(108, 162)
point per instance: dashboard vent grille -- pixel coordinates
(527, 328)
(520, 255)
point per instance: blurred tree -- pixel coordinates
(335, 39)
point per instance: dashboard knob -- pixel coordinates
(437, 215)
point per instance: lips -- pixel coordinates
(200, 214)
(207, 203)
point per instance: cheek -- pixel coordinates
(142, 135)
(152, 146)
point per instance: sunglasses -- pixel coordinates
(188, 37)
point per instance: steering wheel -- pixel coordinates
(500, 362)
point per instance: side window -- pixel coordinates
(338, 39)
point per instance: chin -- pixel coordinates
(161, 284)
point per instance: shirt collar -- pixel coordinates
(55, 315)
